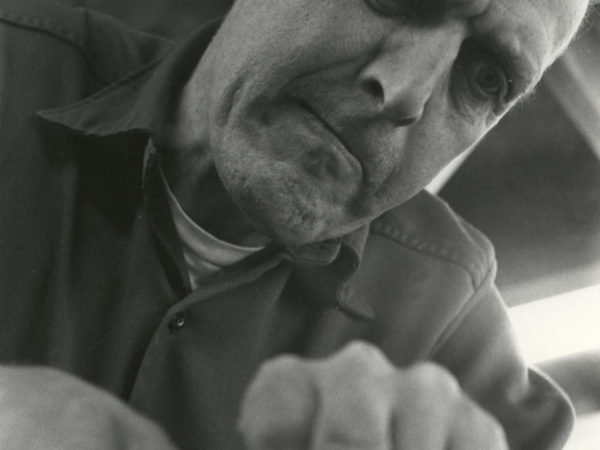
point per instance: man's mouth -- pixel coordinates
(328, 127)
(299, 135)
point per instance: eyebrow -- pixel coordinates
(523, 70)
(520, 48)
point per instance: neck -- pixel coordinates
(207, 203)
(191, 173)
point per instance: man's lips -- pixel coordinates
(306, 106)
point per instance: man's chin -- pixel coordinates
(290, 227)
(284, 202)
(306, 231)
(294, 235)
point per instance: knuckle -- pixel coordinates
(495, 432)
(282, 370)
(282, 364)
(434, 380)
(358, 351)
(276, 378)
(278, 403)
(359, 348)
(365, 358)
(334, 439)
(364, 423)
(483, 426)
(364, 397)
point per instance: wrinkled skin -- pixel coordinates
(319, 115)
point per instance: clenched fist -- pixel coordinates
(357, 400)
(45, 409)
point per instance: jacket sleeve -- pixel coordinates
(480, 348)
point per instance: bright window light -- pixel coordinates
(559, 326)
(586, 435)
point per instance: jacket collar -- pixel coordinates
(342, 258)
(140, 102)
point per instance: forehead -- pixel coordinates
(532, 33)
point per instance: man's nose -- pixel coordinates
(401, 78)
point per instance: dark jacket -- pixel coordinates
(92, 279)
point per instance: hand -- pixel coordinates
(45, 409)
(357, 400)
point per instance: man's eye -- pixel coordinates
(413, 11)
(388, 7)
(489, 80)
(481, 78)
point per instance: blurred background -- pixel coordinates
(533, 186)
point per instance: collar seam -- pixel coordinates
(71, 37)
(344, 297)
(451, 254)
(128, 80)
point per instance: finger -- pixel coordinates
(354, 404)
(425, 397)
(474, 429)
(353, 417)
(279, 406)
(357, 359)
(434, 413)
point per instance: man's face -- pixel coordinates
(323, 114)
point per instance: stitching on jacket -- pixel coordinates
(92, 54)
(57, 31)
(130, 79)
(92, 51)
(476, 269)
(462, 312)
(42, 24)
(63, 33)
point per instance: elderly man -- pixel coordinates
(174, 217)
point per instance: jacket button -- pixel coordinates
(177, 322)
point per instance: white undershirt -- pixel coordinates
(204, 254)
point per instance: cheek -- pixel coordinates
(451, 132)
(274, 41)
(427, 148)
(278, 197)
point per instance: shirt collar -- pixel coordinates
(140, 103)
